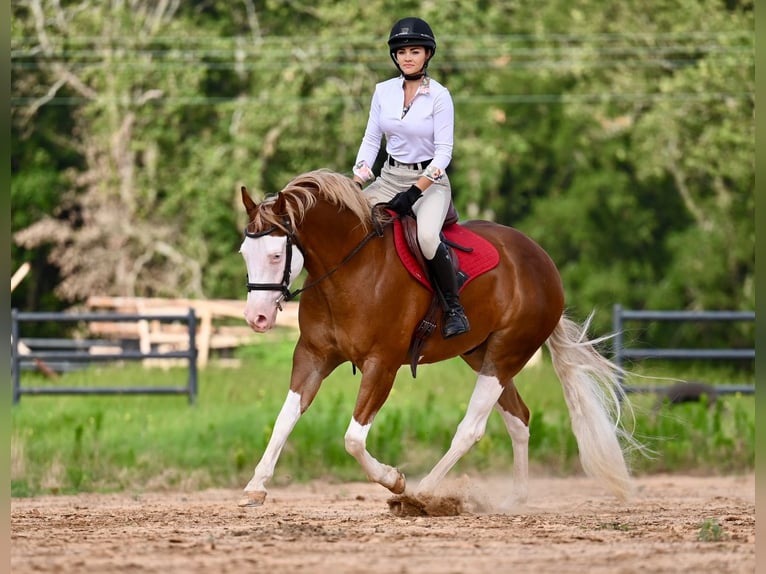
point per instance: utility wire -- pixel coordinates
(470, 99)
(558, 52)
(443, 39)
(237, 53)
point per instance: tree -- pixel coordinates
(658, 208)
(106, 234)
(619, 137)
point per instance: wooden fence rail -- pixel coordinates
(212, 313)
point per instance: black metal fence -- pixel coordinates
(621, 352)
(79, 352)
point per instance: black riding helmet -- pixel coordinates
(411, 32)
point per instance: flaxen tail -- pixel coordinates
(595, 401)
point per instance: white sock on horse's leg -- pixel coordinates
(469, 431)
(356, 441)
(288, 416)
(520, 440)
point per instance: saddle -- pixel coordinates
(410, 230)
(471, 256)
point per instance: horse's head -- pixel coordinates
(273, 261)
(273, 253)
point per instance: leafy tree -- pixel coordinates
(650, 216)
(620, 137)
(106, 235)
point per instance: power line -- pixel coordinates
(470, 99)
(366, 39)
(363, 55)
(486, 53)
(563, 64)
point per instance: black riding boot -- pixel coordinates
(454, 321)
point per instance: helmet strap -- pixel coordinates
(417, 76)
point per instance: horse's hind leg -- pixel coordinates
(486, 393)
(516, 418)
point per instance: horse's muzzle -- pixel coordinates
(260, 322)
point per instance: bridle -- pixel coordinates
(292, 239)
(284, 286)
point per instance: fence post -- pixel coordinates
(617, 330)
(192, 322)
(15, 362)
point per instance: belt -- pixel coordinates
(416, 166)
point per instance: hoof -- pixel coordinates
(399, 485)
(252, 499)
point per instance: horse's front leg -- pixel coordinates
(373, 392)
(307, 375)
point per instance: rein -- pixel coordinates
(284, 286)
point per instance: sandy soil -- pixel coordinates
(568, 526)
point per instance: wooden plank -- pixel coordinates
(205, 334)
(41, 365)
(117, 330)
(18, 277)
(218, 307)
(210, 334)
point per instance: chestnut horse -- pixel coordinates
(359, 304)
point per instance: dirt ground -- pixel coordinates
(569, 525)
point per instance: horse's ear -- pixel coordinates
(250, 205)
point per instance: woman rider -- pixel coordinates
(416, 114)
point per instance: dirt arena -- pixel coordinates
(568, 525)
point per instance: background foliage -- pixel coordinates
(619, 136)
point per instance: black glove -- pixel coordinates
(403, 201)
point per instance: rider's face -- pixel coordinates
(411, 59)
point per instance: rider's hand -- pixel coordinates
(403, 201)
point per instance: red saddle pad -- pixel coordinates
(482, 258)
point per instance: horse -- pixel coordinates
(359, 304)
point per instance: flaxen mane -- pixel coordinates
(301, 194)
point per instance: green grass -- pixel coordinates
(711, 531)
(134, 443)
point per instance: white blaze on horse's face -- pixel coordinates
(265, 258)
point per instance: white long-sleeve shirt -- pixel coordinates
(424, 131)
